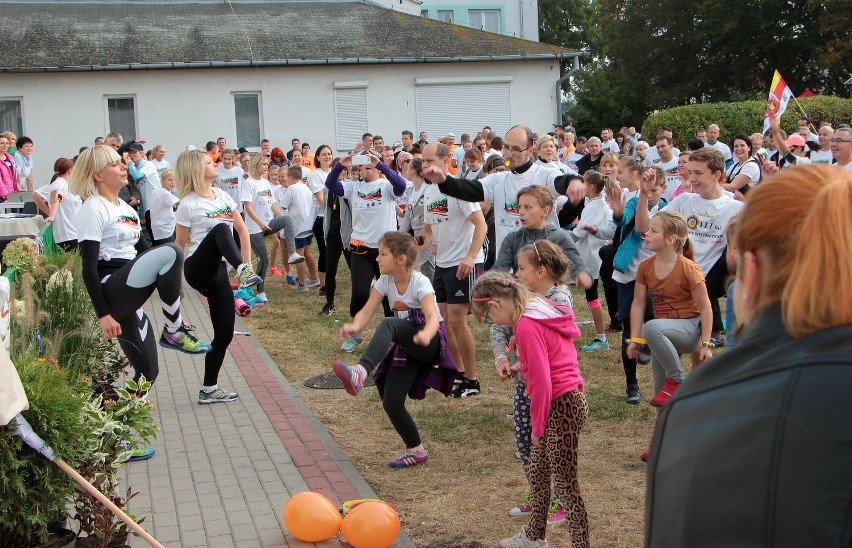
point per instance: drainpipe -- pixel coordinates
(561, 81)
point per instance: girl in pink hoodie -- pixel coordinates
(544, 333)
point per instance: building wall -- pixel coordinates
(518, 18)
(64, 111)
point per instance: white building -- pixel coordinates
(182, 73)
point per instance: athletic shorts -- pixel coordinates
(302, 242)
(451, 290)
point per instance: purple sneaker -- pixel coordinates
(351, 377)
(408, 459)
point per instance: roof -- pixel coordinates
(60, 36)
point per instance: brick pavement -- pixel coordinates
(223, 472)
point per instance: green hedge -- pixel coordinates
(744, 117)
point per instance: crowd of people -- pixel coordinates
(495, 225)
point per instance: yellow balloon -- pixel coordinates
(311, 517)
(371, 525)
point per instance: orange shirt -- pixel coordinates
(308, 161)
(672, 296)
(453, 170)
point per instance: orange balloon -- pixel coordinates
(311, 517)
(371, 525)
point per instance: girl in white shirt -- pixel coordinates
(63, 206)
(162, 207)
(205, 220)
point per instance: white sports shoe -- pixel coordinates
(522, 541)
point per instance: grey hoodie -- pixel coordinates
(507, 257)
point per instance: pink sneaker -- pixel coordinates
(557, 513)
(522, 510)
(408, 459)
(664, 395)
(350, 375)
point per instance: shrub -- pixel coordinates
(743, 117)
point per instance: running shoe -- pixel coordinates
(261, 298)
(633, 395)
(556, 513)
(595, 345)
(327, 310)
(314, 282)
(217, 396)
(295, 258)
(644, 355)
(664, 395)
(322, 292)
(301, 288)
(466, 389)
(275, 272)
(292, 280)
(350, 344)
(248, 277)
(521, 540)
(350, 375)
(184, 341)
(408, 459)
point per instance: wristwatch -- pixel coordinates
(706, 344)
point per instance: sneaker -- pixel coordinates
(143, 453)
(595, 345)
(291, 280)
(644, 456)
(327, 310)
(350, 344)
(644, 355)
(633, 394)
(408, 459)
(351, 376)
(313, 282)
(556, 513)
(295, 258)
(460, 379)
(184, 341)
(521, 540)
(299, 287)
(261, 297)
(248, 277)
(717, 342)
(466, 389)
(662, 397)
(275, 272)
(523, 509)
(322, 292)
(217, 396)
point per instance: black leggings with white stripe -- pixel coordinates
(129, 287)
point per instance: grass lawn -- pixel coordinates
(460, 498)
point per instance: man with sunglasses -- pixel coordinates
(841, 148)
(502, 188)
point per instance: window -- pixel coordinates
(11, 116)
(350, 113)
(424, 13)
(484, 20)
(247, 116)
(122, 116)
(445, 15)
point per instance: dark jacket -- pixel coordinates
(755, 448)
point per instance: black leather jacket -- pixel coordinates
(755, 448)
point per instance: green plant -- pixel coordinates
(117, 427)
(744, 117)
(33, 491)
(21, 254)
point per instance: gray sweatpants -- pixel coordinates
(258, 243)
(667, 339)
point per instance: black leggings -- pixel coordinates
(129, 287)
(607, 255)
(206, 273)
(320, 238)
(625, 296)
(365, 269)
(333, 251)
(716, 288)
(399, 380)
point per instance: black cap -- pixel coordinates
(136, 146)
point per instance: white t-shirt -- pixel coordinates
(259, 193)
(556, 164)
(298, 200)
(821, 157)
(572, 159)
(201, 215)
(161, 165)
(162, 213)
(651, 155)
(316, 182)
(116, 227)
(750, 169)
(418, 287)
(610, 145)
(373, 207)
(596, 213)
(149, 184)
(706, 221)
(458, 156)
(502, 188)
(721, 147)
(231, 181)
(65, 220)
(452, 232)
(672, 178)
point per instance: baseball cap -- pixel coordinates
(136, 146)
(451, 135)
(795, 140)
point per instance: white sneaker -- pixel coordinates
(261, 297)
(295, 258)
(522, 541)
(313, 283)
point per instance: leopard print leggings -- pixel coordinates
(568, 414)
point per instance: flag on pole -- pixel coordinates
(779, 96)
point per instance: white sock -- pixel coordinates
(209, 389)
(600, 337)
